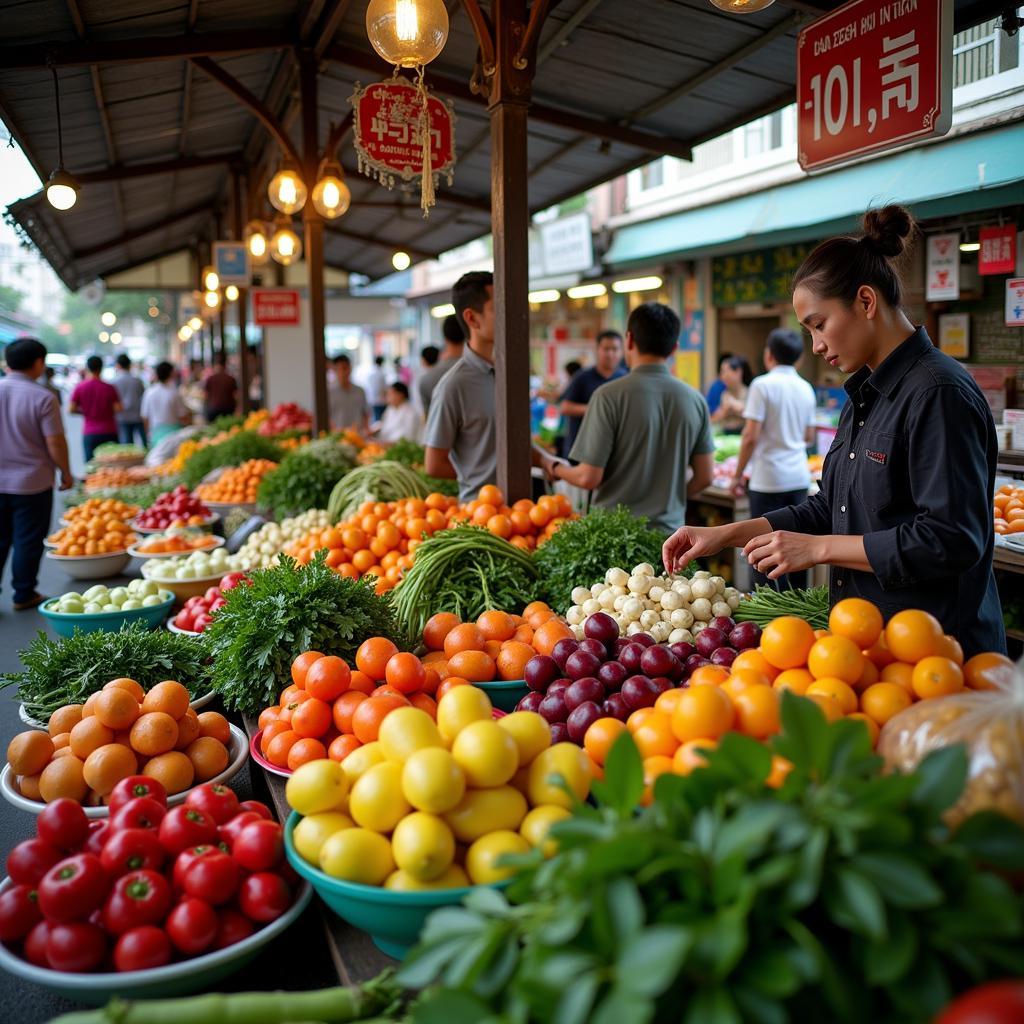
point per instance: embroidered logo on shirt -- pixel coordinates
(880, 457)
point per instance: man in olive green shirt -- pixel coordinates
(643, 432)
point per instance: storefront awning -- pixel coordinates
(975, 172)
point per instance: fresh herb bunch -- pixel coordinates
(305, 478)
(438, 485)
(767, 603)
(142, 495)
(407, 452)
(238, 448)
(466, 570)
(68, 669)
(583, 550)
(263, 628)
(222, 423)
(841, 896)
(379, 481)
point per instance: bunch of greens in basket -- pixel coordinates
(305, 478)
(238, 448)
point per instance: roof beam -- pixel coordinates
(328, 25)
(123, 172)
(146, 229)
(566, 29)
(661, 145)
(135, 51)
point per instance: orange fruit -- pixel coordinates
(373, 656)
(913, 634)
(495, 625)
(116, 709)
(448, 684)
(879, 653)
(173, 770)
(707, 675)
(213, 723)
(106, 766)
(64, 776)
(795, 679)
(654, 766)
(301, 665)
(155, 732)
(755, 661)
(89, 707)
(64, 719)
(62, 739)
(786, 642)
(476, 666)
(424, 702)
(87, 736)
(370, 713)
(548, 633)
(832, 708)
(467, 636)
(492, 648)
(691, 754)
(276, 751)
(307, 749)
(884, 700)
(654, 736)
(341, 747)
(666, 702)
(168, 697)
(30, 752)
(134, 688)
(327, 678)
(702, 712)
(491, 495)
(343, 709)
(950, 648)
(405, 673)
(188, 730)
(857, 620)
(835, 657)
(868, 677)
(870, 723)
(638, 717)
(600, 736)
(513, 659)
(362, 683)
(437, 628)
(838, 689)
(988, 671)
(757, 711)
(898, 672)
(209, 757)
(936, 677)
(28, 787)
(269, 732)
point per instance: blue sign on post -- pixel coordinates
(231, 261)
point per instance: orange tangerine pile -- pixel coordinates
(858, 668)
(1008, 509)
(98, 534)
(238, 484)
(114, 477)
(108, 507)
(177, 543)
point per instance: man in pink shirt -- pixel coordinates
(33, 445)
(98, 402)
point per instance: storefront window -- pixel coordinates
(652, 175)
(983, 51)
(763, 135)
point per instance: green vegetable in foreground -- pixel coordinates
(767, 604)
(841, 896)
(465, 570)
(67, 670)
(305, 478)
(291, 608)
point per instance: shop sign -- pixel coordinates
(943, 267)
(955, 334)
(873, 75)
(756, 277)
(998, 253)
(231, 261)
(567, 244)
(275, 307)
(1015, 302)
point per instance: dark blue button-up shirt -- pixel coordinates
(912, 469)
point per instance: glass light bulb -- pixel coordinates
(61, 197)
(742, 6)
(211, 300)
(211, 279)
(401, 261)
(108, 319)
(285, 245)
(257, 245)
(195, 323)
(286, 191)
(231, 293)
(406, 22)
(331, 196)
(407, 32)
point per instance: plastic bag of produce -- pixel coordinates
(988, 720)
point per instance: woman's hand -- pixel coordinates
(779, 552)
(689, 542)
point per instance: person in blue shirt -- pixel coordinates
(718, 385)
(574, 400)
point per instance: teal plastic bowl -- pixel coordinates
(393, 920)
(505, 694)
(106, 622)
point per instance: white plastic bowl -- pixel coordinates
(134, 551)
(92, 567)
(177, 629)
(238, 751)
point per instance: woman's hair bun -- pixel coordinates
(888, 229)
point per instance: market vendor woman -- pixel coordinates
(904, 513)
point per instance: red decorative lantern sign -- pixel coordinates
(402, 131)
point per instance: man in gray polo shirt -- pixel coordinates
(453, 348)
(643, 431)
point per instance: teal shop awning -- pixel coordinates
(981, 171)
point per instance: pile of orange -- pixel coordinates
(120, 731)
(102, 533)
(100, 507)
(525, 524)
(1008, 509)
(238, 484)
(176, 543)
(114, 477)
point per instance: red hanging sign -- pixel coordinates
(389, 125)
(873, 75)
(998, 253)
(275, 307)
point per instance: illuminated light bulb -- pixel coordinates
(185, 332)
(108, 319)
(586, 291)
(636, 284)
(440, 312)
(104, 336)
(256, 240)
(61, 190)
(115, 338)
(742, 6)
(211, 279)
(211, 299)
(195, 323)
(331, 196)
(231, 293)
(285, 244)
(401, 260)
(287, 191)
(407, 32)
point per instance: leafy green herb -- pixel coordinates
(142, 495)
(289, 609)
(582, 551)
(379, 481)
(305, 478)
(767, 603)
(68, 669)
(841, 896)
(238, 448)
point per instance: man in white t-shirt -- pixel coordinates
(777, 429)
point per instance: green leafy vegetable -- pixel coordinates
(239, 448)
(142, 495)
(583, 550)
(379, 481)
(840, 896)
(305, 478)
(68, 669)
(263, 628)
(767, 603)
(465, 570)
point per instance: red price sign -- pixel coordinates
(998, 254)
(873, 75)
(275, 307)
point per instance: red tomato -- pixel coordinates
(998, 1002)
(99, 833)
(78, 946)
(30, 860)
(233, 928)
(328, 678)
(63, 823)
(184, 827)
(73, 889)
(138, 898)
(184, 861)
(259, 846)
(136, 786)
(142, 948)
(35, 945)
(228, 833)
(132, 849)
(19, 912)
(212, 878)
(214, 800)
(142, 812)
(192, 926)
(264, 896)
(260, 808)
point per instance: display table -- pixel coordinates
(1005, 560)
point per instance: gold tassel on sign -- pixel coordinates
(427, 198)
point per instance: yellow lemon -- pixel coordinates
(486, 810)
(312, 832)
(317, 786)
(460, 706)
(432, 781)
(357, 855)
(482, 857)
(406, 730)
(376, 800)
(534, 828)
(402, 881)
(423, 846)
(565, 760)
(530, 731)
(486, 753)
(361, 760)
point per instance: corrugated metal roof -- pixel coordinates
(629, 64)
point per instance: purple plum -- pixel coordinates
(530, 702)
(682, 650)
(583, 690)
(563, 649)
(540, 671)
(558, 686)
(582, 663)
(724, 656)
(580, 719)
(662, 683)
(724, 623)
(630, 656)
(615, 706)
(552, 708)
(644, 639)
(620, 643)
(559, 732)
(709, 640)
(745, 636)
(660, 661)
(594, 647)
(639, 692)
(613, 674)
(602, 628)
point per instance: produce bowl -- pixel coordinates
(393, 920)
(238, 751)
(92, 567)
(175, 979)
(505, 694)
(184, 589)
(135, 552)
(214, 517)
(177, 629)
(256, 754)
(64, 623)
(35, 723)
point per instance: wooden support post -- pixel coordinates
(314, 236)
(238, 220)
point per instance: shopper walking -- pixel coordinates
(346, 402)
(718, 386)
(98, 402)
(33, 445)
(454, 341)
(904, 514)
(728, 417)
(642, 433)
(376, 386)
(580, 390)
(164, 411)
(129, 391)
(220, 391)
(401, 420)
